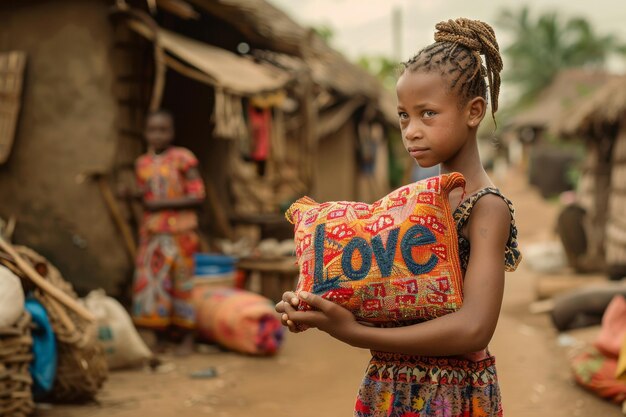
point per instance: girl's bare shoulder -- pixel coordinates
(491, 214)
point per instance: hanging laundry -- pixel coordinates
(260, 126)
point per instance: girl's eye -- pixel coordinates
(428, 113)
(403, 115)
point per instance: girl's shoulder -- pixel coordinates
(465, 207)
(492, 199)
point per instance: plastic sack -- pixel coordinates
(238, 320)
(11, 297)
(44, 365)
(122, 344)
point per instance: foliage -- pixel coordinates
(545, 45)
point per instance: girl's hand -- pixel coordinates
(286, 306)
(331, 318)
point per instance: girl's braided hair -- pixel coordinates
(456, 54)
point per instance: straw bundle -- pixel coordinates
(16, 398)
(82, 367)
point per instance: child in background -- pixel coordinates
(440, 367)
(171, 188)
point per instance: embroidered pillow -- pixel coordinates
(394, 260)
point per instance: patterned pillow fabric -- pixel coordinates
(394, 260)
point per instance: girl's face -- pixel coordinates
(159, 131)
(434, 128)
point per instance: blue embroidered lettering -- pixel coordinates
(384, 256)
(418, 235)
(360, 244)
(318, 271)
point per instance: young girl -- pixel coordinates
(171, 188)
(440, 367)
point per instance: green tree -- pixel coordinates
(544, 46)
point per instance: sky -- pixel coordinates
(364, 27)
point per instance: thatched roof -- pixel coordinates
(231, 72)
(260, 21)
(561, 97)
(606, 106)
(333, 71)
(273, 29)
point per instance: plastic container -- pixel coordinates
(213, 264)
(212, 271)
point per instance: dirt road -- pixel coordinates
(316, 376)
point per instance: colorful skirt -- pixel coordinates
(397, 385)
(162, 290)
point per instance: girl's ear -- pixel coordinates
(477, 108)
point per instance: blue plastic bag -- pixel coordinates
(44, 366)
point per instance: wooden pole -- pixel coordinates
(218, 211)
(114, 210)
(45, 285)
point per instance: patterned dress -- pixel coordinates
(168, 240)
(399, 385)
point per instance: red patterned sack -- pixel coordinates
(394, 260)
(238, 320)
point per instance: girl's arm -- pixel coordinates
(467, 330)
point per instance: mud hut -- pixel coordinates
(600, 120)
(345, 96)
(547, 161)
(83, 81)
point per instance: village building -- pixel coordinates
(600, 121)
(543, 155)
(269, 108)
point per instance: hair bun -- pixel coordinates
(458, 31)
(475, 35)
(480, 39)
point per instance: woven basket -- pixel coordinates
(81, 366)
(16, 398)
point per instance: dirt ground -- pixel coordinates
(314, 375)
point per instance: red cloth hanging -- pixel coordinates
(260, 124)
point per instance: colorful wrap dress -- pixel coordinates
(399, 385)
(168, 239)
